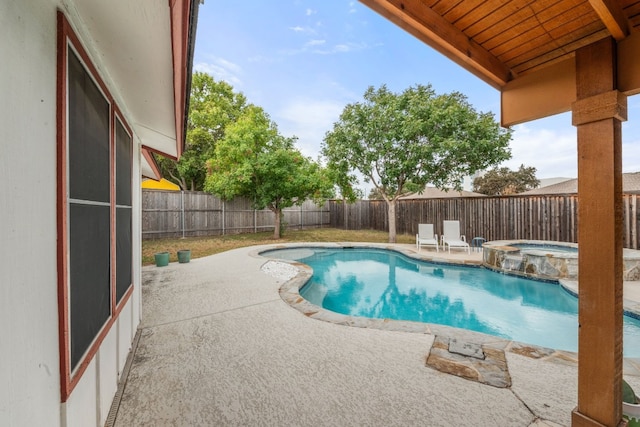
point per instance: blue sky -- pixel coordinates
(303, 61)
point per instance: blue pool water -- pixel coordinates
(385, 284)
(559, 249)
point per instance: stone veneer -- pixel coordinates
(501, 256)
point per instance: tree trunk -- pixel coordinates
(392, 220)
(276, 228)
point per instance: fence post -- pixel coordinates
(182, 208)
(345, 215)
(634, 223)
(224, 221)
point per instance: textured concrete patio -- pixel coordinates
(218, 345)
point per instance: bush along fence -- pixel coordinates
(194, 213)
(551, 217)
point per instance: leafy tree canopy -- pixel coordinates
(212, 107)
(374, 194)
(503, 181)
(415, 137)
(346, 182)
(255, 161)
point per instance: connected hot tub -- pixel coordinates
(545, 260)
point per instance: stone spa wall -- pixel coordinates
(545, 260)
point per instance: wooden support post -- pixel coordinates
(597, 114)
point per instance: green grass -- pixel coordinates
(203, 246)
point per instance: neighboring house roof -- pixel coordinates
(551, 181)
(435, 193)
(630, 185)
(565, 187)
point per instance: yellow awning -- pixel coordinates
(163, 184)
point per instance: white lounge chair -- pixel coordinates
(426, 236)
(451, 236)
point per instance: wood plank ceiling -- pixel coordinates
(502, 40)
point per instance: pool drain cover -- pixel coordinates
(471, 361)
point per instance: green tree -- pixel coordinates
(375, 194)
(212, 107)
(415, 137)
(255, 161)
(345, 181)
(503, 181)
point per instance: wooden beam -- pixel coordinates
(428, 26)
(548, 91)
(629, 64)
(600, 236)
(611, 14)
(606, 105)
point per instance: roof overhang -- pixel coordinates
(147, 49)
(525, 49)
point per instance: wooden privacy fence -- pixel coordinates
(195, 213)
(551, 217)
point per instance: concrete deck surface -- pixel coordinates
(218, 346)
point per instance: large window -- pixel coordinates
(95, 154)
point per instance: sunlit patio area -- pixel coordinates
(218, 345)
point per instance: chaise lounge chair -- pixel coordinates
(451, 236)
(426, 236)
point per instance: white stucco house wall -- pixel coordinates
(89, 88)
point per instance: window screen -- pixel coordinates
(89, 209)
(123, 211)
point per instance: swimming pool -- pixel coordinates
(378, 283)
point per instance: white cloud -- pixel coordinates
(309, 120)
(312, 47)
(310, 12)
(315, 42)
(260, 58)
(631, 138)
(552, 152)
(341, 48)
(221, 69)
(631, 156)
(303, 30)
